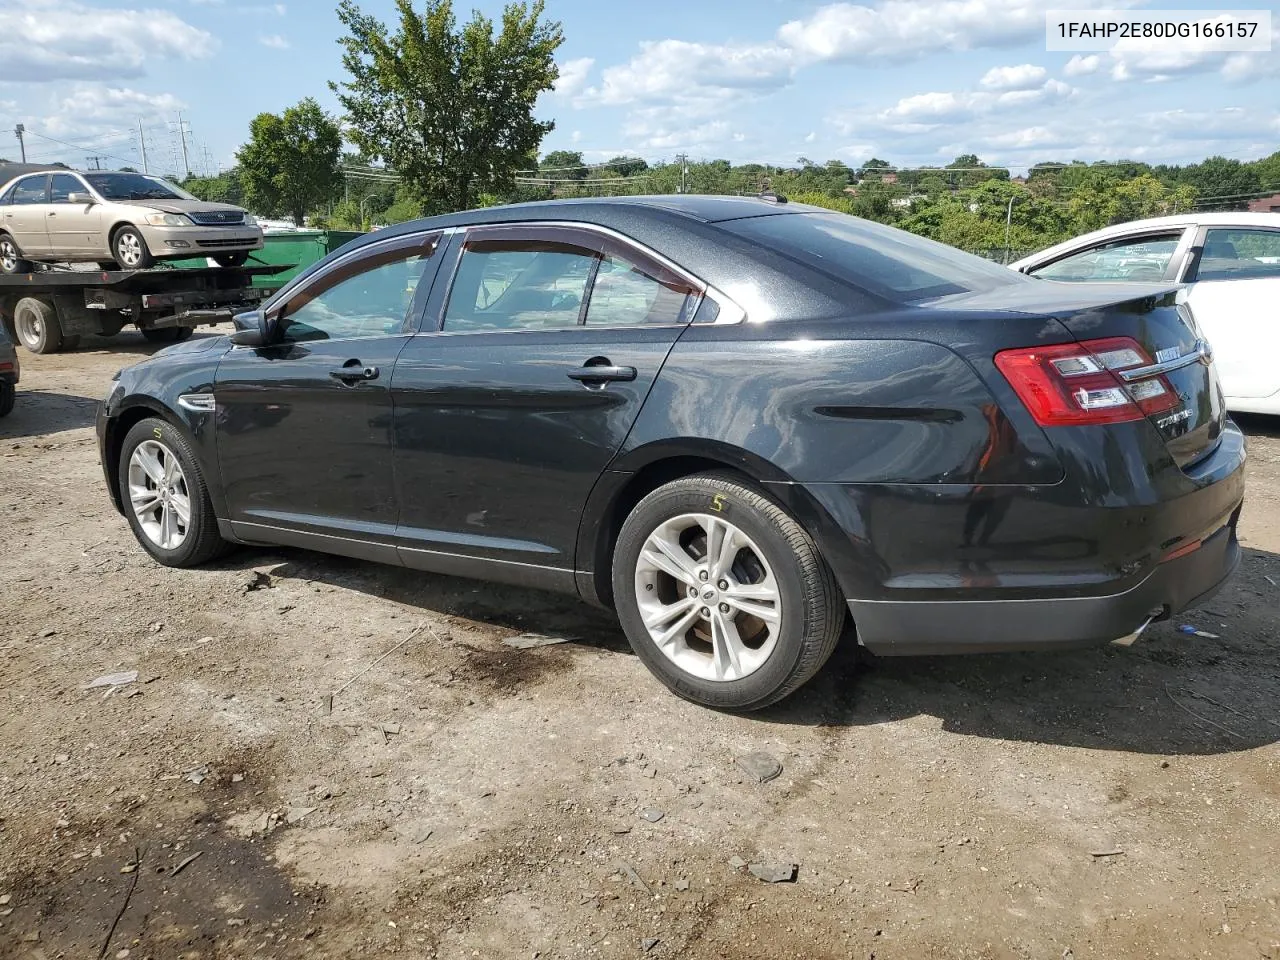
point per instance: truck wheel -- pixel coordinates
(723, 596)
(167, 334)
(232, 259)
(8, 393)
(10, 259)
(130, 249)
(165, 499)
(37, 327)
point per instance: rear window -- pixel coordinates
(884, 261)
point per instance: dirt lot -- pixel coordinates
(463, 799)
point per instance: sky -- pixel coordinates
(912, 82)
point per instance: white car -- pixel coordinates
(1230, 266)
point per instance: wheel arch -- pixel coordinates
(117, 428)
(639, 472)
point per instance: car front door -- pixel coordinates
(1234, 293)
(1151, 257)
(75, 229)
(304, 426)
(531, 370)
(24, 218)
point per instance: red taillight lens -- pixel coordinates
(1070, 384)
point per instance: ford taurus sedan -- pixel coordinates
(739, 422)
(124, 221)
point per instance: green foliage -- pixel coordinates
(290, 163)
(450, 110)
(226, 187)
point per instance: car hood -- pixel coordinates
(184, 206)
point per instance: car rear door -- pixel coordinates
(531, 368)
(1234, 293)
(24, 218)
(75, 229)
(304, 425)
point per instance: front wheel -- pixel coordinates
(723, 595)
(165, 498)
(11, 260)
(130, 249)
(37, 326)
(167, 334)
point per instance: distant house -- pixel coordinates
(1269, 204)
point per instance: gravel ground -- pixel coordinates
(459, 798)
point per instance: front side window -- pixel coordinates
(624, 295)
(61, 186)
(30, 190)
(1141, 258)
(373, 301)
(1231, 254)
(518, 285)
(134, 186)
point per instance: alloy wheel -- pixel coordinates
(8, 255)
(130, 248)
(159, 495)
(708, 597)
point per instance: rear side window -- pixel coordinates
(30, 190)
(890, 263)
(626, 295)
(1239, 255)
(1131, 258)
(519, 285)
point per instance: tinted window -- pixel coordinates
(1239, 255)
(134, 186)
(61, 186)
(373, 302)
(30, 190)
(889, 263)
(518, 285)
(624, 294)
(1141, 258)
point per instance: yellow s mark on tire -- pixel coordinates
(717, 503)
(158, 434)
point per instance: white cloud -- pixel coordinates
(927, 109)
(901, 29)
(1151, 60)
(678, 70)
(42, 40)
(274, 41)
(573, 76)
(1079, 66)
(89, 109)
(1026, 76)
(811, 136)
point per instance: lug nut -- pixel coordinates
(705, 613)
(703, 575)
(724, 608)
(723, 585)
(693, 591)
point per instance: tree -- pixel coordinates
(564, 165)
(451, 111)
(1223, 184)
(290, 163)
(628, 166)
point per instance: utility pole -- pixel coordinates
(19, 130)
(1008, 227)
(684, 172)
(96, 161)
(183, 127)
(142, 146)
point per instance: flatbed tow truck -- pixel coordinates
(50, 309)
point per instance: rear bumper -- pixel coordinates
(896, 627)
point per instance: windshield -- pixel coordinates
(887, 262)
(134, 186)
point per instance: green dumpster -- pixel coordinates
(298, 247)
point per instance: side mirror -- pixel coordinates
(79, 198)
(255, 329)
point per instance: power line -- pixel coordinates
(77, 146)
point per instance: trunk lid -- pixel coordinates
(1177, 356)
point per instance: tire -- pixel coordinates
(171, 543)
(129, 248)
(167, 334)
(773, 554)
(11, 260)
(8, 397)
(232, 259)
(36, 325)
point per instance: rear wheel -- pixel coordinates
(165, 498)
(130, 249)
(232, 259)
(37, 327)
(167, 334)
(8, 394)
(11, 260)
(723, 595)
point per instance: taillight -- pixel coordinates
(1070, 384)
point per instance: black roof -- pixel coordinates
(10, 170)
(708, 208)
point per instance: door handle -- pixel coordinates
(603, 373)
(51, 213)
(354, 373)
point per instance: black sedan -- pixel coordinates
(10, 371)
(737, 421)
